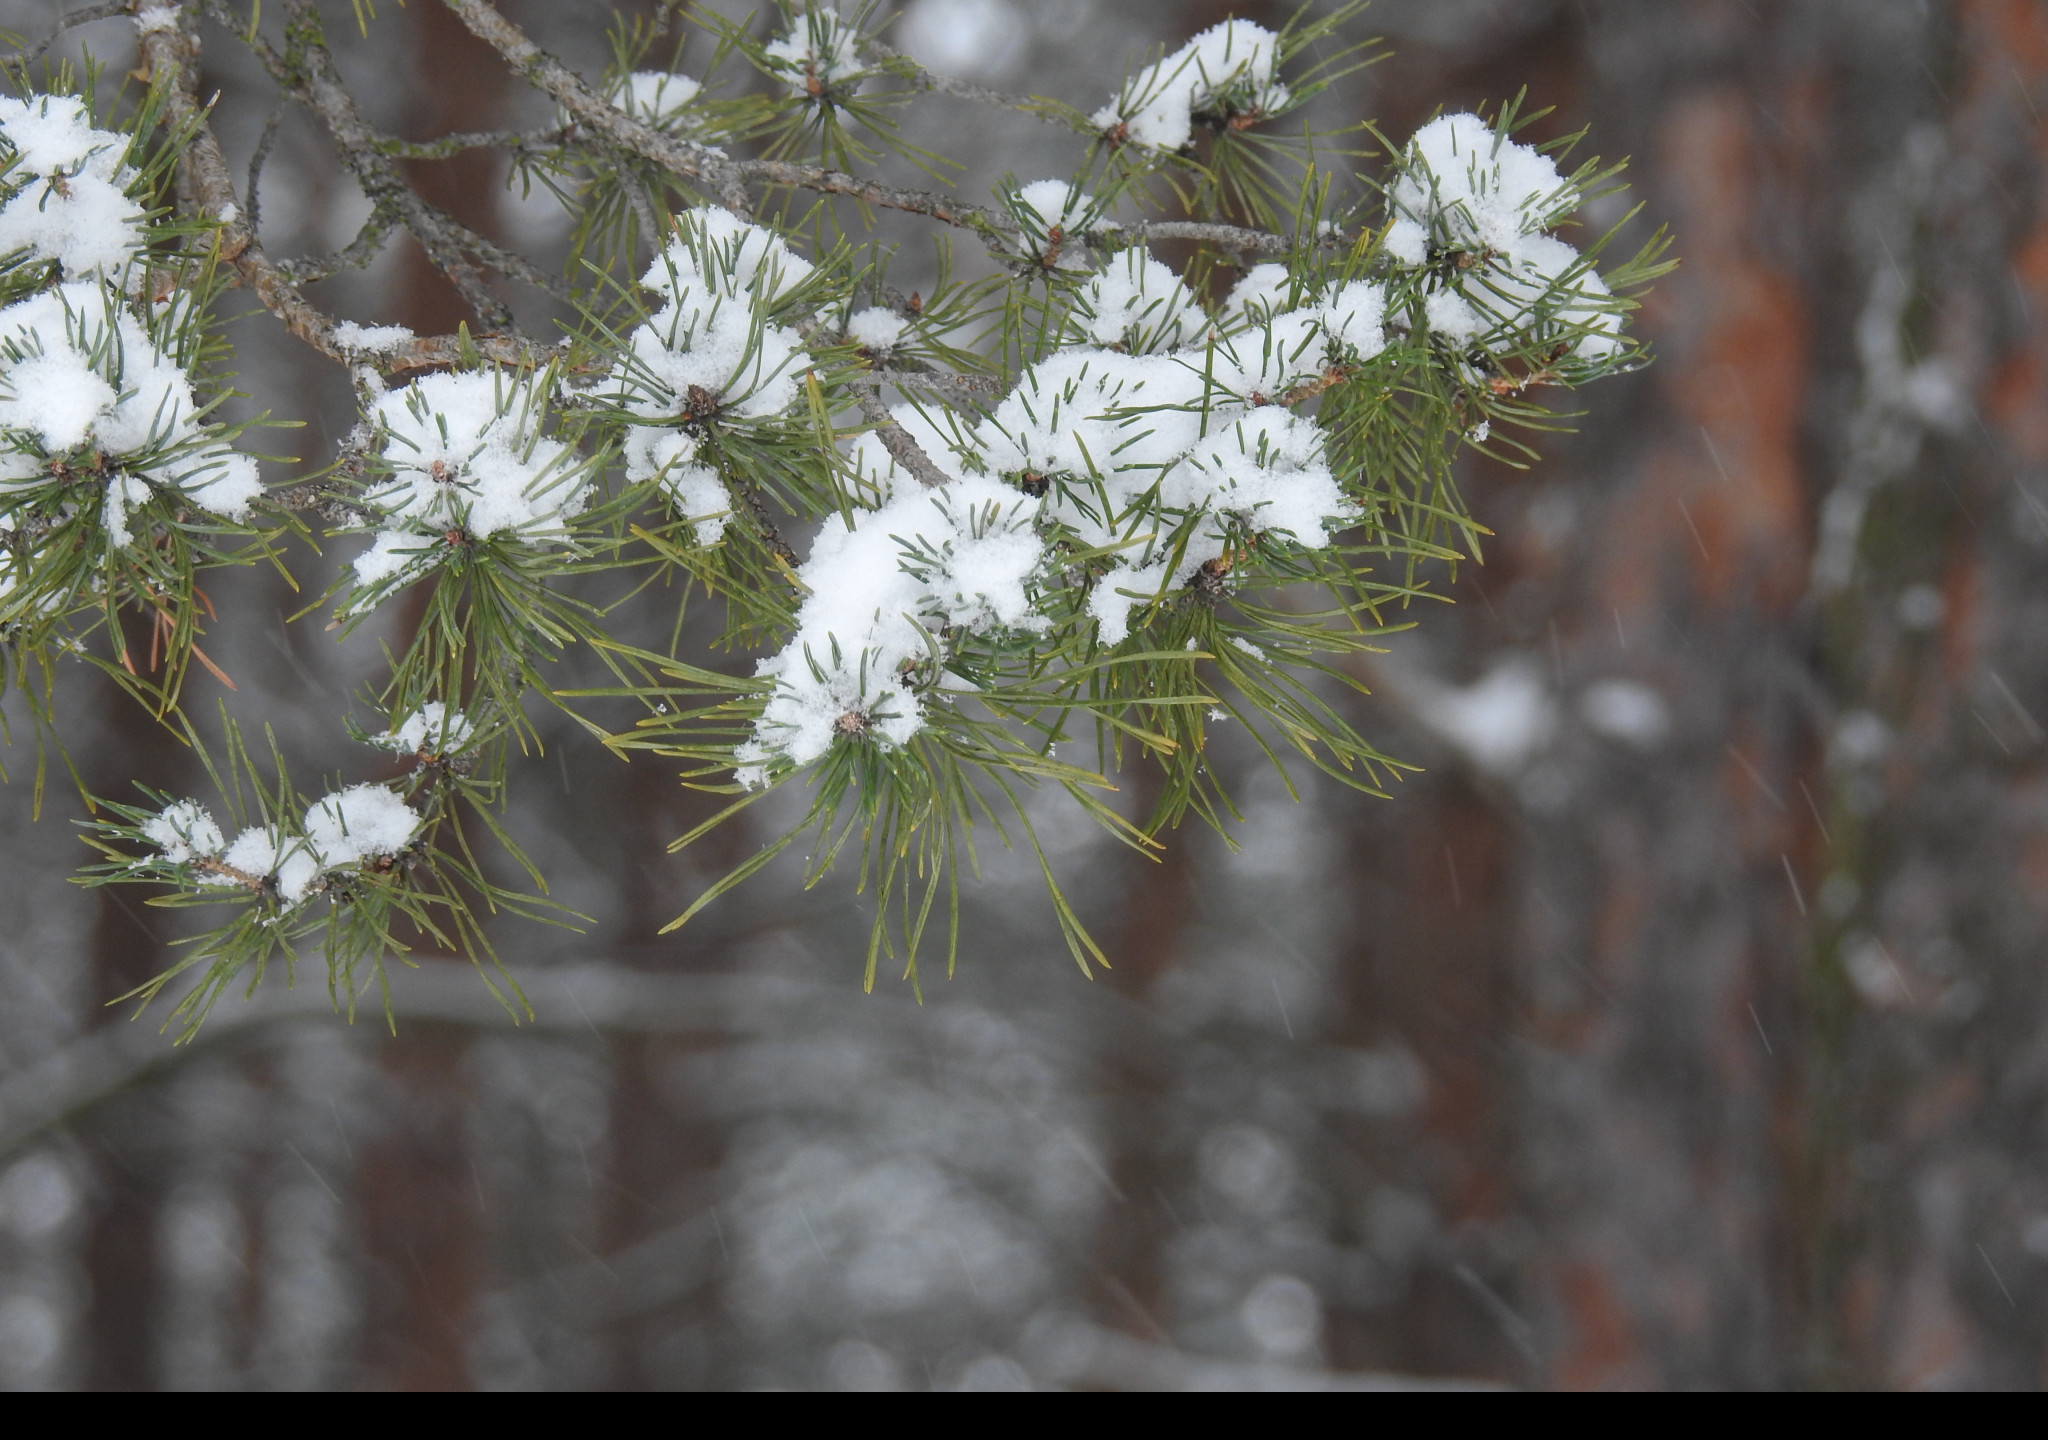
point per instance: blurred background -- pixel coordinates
(1680, 1023)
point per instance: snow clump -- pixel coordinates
(1050, 213)
(1137, 305)
(1466, 187)
(1265, 348)
(467, 460)
(433, 729)
(876, 329)
(340, 829)
(270, 854)
(818, 51)
(84, 389)
(184, 831)
(1227, 71)
(1171, 460)
(876, 595)
(362, 822)
(711, 350)
(353, 339)
(66, 187)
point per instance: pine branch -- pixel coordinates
(898, 441)
(171, 56)
(307, 70)
(696, 163)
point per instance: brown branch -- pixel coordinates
(171, 57)
(206, 865)
(899, 442)
(696, 163)
(307, 70)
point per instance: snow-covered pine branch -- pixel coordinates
(1053, 499)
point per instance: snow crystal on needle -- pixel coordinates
(357, 823)
(184, 830)
(695, 490)
(466, 453)
(77, 370)
(153, 18)
(1231, 68)
(818, 50)
(66, 188)
(433, 729)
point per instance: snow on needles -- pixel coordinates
(66, 190)
(466, 459)
(1166, 459)
(876, 330)
(433, 729)
(1049, 213)
(84, 388)
(658, 97)
(877, 594)
(712, 349)
(184, 830)
(1466, 187)
(339, 830)
(819, 51)
(1228, 70)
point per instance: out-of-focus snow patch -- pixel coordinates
(970, 39)
(1498, 723)
(1875, 975)
(1860, 738)
(1626, 710)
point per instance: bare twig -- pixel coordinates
(171, 57)
(695, 163)
(895, 439)
(1035, 106)
(68, 23)
(443, 147)
(254, 192)
(358, 253)
(308, 69)
(978, 386)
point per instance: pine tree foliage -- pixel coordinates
(1038, 529)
